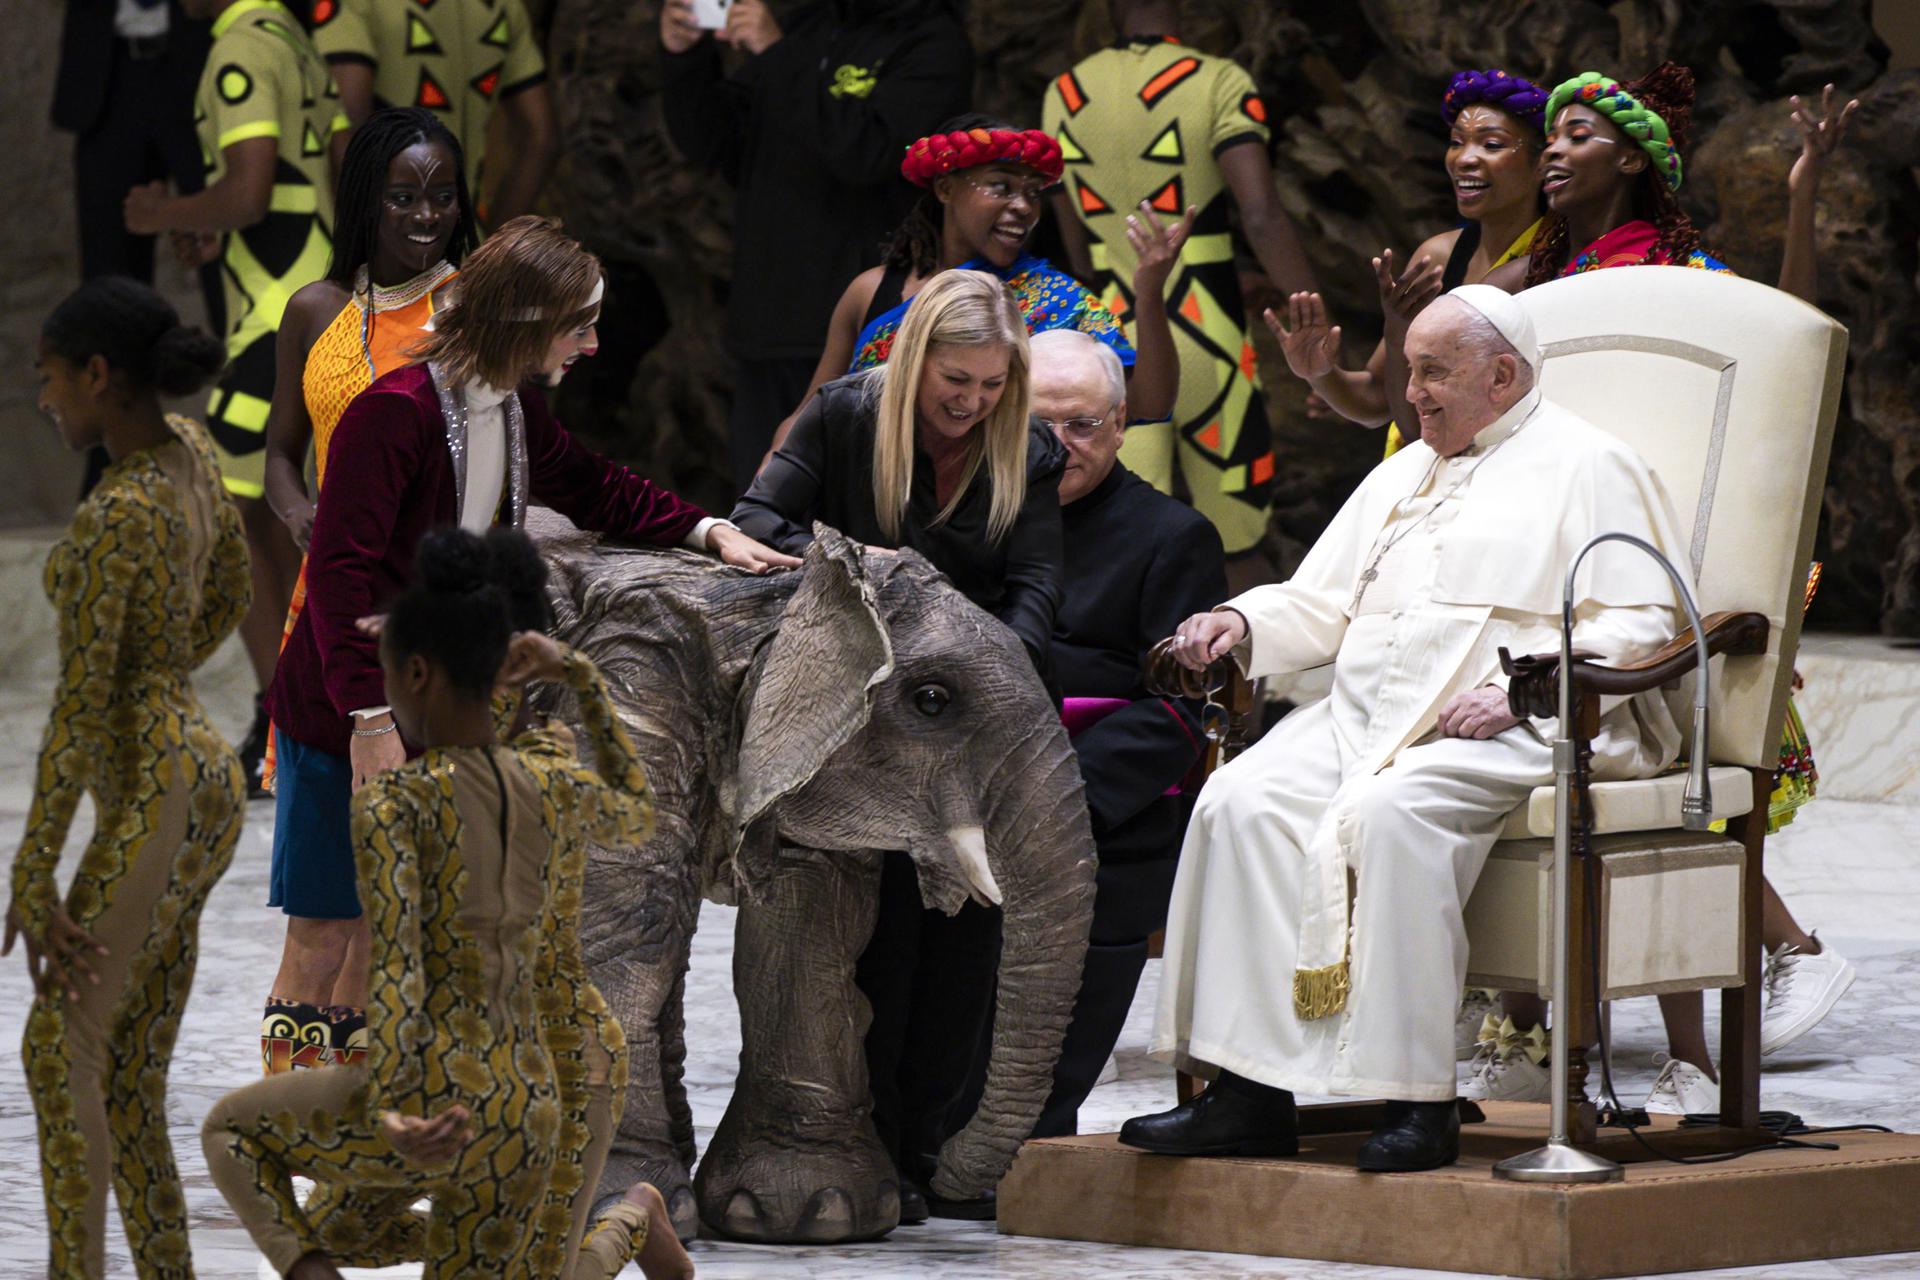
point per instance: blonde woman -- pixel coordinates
(932, 450)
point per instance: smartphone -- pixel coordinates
(710, 15)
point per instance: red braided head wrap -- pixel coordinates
(939, 153)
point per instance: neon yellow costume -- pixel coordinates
(457, 58)
(264, 80)
(1145, 121)
(150, 579)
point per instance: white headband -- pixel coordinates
(1504, 312)
(540, 313)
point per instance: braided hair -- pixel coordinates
(1518, 97)
(1665, 94)
(914, 245)
(363, 177)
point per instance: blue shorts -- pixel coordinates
(312, 873)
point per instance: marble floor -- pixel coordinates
(1851, 869)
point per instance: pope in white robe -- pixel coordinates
(1315, 941)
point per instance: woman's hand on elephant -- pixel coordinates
(427, 1142)
(742, 552)
(532, 655)
(1205, 637)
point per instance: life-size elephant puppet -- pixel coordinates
(794, 727)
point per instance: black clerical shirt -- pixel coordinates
(1138, 563)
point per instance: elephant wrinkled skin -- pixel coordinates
(795, 727)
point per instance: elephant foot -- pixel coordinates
(668, 1176)
(783, 1195)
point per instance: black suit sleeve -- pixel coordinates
(780, 506)
(1131, 757)
(1035, 563)
(706, 113)
(861, 139)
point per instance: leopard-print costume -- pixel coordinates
(464, 998)
(151, 577)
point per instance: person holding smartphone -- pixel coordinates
(809, 128)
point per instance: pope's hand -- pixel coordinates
(1477, 713)
(1205, 637)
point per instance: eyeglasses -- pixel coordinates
(1076, 428)
(1004, 190)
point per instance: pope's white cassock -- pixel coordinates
(1315, 940)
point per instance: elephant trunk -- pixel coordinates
(1041, 857)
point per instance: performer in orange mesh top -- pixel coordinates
(403, 222)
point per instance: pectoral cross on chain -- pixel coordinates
(1367, 578)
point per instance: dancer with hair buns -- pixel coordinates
(983, 185)
(459, 852)
(1494, 125)
(147, 582)
(1613, 165)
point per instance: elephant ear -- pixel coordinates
(814, 688)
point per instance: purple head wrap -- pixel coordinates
(1520, 98)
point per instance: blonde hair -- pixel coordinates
(954, 309)
(527, 283)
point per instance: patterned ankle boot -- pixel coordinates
(293, 1035)
(348, 1035)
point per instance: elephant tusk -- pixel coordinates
(970, 847)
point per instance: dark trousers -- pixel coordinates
(1130, 903)
(929, 978)
(128, 145)
(765, 391)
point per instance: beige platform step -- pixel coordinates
(1776, 1206)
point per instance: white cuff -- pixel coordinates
(368, 713)
(697, 536)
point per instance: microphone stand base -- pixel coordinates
(1558, 1162)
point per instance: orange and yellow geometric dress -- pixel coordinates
(374, 334)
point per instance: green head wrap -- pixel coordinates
(1610, 98)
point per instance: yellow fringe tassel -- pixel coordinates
(1320, 993)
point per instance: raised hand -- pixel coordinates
(1310, 344)
(1820, 135)
(1157, 247)
(750, 25)
(1404, 296)
(532, 655)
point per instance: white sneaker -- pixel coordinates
(1801, 989)
(1510, 1067)
(1683, 1089)
(1475, 1005)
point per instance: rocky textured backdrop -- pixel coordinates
(1351, 90)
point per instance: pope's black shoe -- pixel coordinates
(1413, 1136)
(1234, 1117)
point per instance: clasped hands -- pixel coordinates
(1205, 638)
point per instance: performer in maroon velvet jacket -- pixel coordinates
(433, 443)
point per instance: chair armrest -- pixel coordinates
(1533, 687)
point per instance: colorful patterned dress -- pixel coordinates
(1637, 244)
(1048, 297)
(1147, 120)
(149, 580)
(465, 856)
(374, 333)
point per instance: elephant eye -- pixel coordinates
(931, 699)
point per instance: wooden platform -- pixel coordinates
(1775, 1206)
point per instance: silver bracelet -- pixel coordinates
(390, 726)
